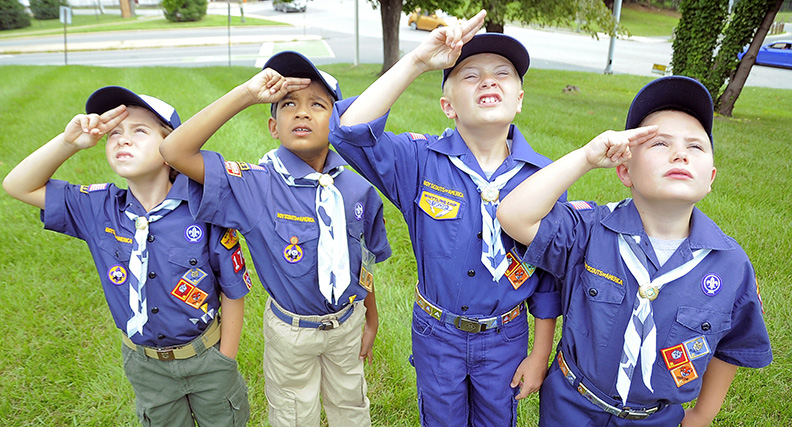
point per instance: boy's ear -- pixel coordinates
(623, 171)
(520, 98)
(448, 109)
(712, 178)
(273, 127)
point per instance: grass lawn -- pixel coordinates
(60, 360)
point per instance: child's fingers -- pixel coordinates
(640, 135)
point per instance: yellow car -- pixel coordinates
(423, 20)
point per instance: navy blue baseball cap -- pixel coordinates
(293, 64)
(501, 44)
(109, 97)
(673, 93)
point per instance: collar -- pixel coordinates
(298, 168)
(704, 233)
(179, 191)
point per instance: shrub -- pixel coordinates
(13, 15)
(46, 9)
(184, 10)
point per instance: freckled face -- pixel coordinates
(132, 148)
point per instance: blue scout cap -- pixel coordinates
(501, 44)
(292, 64)
(673, 93)
(109, 97)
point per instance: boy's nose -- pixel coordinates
(680, 156)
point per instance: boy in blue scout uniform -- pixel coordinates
(660, 306)
(314, 230)
(166, 277)
(470, 330)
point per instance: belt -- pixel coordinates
(465, 323)
(626, 413)
(209, 337)
(331, 321)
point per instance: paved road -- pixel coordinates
(326, 33)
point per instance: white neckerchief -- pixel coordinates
(493, 256)
(641, 333)
(138, 264)
(333, 252)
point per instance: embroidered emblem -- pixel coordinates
(255, 167)
(603, 274)
(517, 272)
(684, 374)
(711, 284)
(244, 166)
(674, 356)
(232, 168)
(417, 136)
(194, 276)
(246, 278)
(182, 290)
(290, 217)
(196, 297)
(93, 187)
(230, 238)
(238, 260)
(293, 252)
(697, 347)
(117, 274)
(193, 233)
(358, 211)
(580, 205)
(117, 237)
(438, 207)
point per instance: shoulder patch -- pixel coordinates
(230, 238)
(579, 205)
(233, 168)
(93, 187)
(417, 136)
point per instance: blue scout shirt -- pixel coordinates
(713, 311)
(280, 226)
(413, 171)
(190, 263)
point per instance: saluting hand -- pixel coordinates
(611, 148)
(444, 45)
(85, 130)
(269, 86)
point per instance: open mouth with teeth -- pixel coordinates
(301, 130)
(489, 100)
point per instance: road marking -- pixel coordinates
(264, 53)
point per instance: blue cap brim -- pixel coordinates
(501, 44)
(109, 97)
(294, 64)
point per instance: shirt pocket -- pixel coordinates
(184, 259)
(115, 259)
(295, 247)
(693, 322)
(438, 224)
(594, 308)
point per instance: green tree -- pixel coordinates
(13, 15)
(46, 9)
(184, 10)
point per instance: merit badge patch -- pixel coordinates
(117, 274)
(367, 265)
(711, 284)
(196, 298)
(580, 205)
(358, 211)
(417, 136)
(93, 187)
(684, 374)
(697, 347)
(674, 356)
(194, 276)
(182, 290)
(238, 260)
(517, 272)
(193, 233)
(438, 207)
(232, 168)
(230, 238)
(293, 253)
(246, 278)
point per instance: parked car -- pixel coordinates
(423, 20)
(776, 54)
(289, 6)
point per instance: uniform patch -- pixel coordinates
(121, 239)
(93, 187)
(697, 347)
(358, 211)
(196, 297)
(674, 356)
(438, 207)
(711, 284)
(182, 289)
(290, 217)
(293, 253)
(246, 278)
(255, 167)
(194, 276)
(232, 168)
(579, 205)
(193, 233)
(517, 272)
(238, 260)
(603, 274)
(417, 136)
(230, 238)
(117, 274)
(684, 374)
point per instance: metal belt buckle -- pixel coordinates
(467, 325)
(326, 325)
(629, 414)
(165, 354)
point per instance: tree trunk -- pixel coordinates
(494, 27)
(390, 14)
(725, 103)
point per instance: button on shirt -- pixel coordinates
(280, 226)
(442, 208)
(716, 300)
(188, 265)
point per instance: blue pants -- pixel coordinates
(562, 405)
(463, 378)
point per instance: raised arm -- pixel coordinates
(520, 219)
(714, 386)
(182, 148)
(440, 50)
(28, 180)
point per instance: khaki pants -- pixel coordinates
(301, 363)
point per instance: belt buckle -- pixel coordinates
(629, 414)
(468, 325)
(165, 354)
(326, 325)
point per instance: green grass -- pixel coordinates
(113, 22)
(60, 360)
(640, 21)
